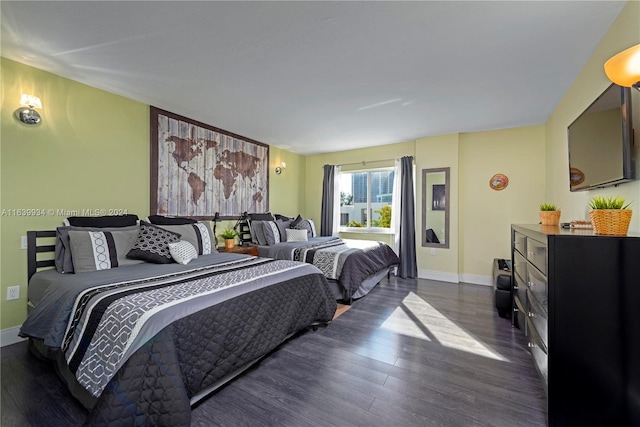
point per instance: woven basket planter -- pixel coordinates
(611, 222)
(550, 217)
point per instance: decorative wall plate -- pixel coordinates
(498, 182)
(576, 176)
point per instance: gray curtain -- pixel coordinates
(407, 253)
(326, 217)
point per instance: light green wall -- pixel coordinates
(286, 191)
(90, 152)
(486, 214)
(589, 84)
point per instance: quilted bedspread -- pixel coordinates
(345, 260)
(145, 347)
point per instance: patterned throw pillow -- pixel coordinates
(182, 252)
(99, 249)
(153, 244)
(197, 233)
(271, 232)
(306, 224)
(294, 235)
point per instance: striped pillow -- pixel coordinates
(198, 234)
(101, 250)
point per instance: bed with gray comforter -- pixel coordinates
(138, 345)
(355, 265)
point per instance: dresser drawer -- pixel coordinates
(519, 266)
(520, 289)
(538, 317)
(537, 284)
(520, 242)
(538, 352)
(519, 313)
(537, 254)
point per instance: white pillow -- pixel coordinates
(183, 252)
(296, 235)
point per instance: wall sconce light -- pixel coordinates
(624, 68)
(282, 166)
(216, 219)
(26, 114)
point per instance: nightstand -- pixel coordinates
(248, 250)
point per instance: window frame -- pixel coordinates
(368, 228)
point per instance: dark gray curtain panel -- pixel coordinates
(408, 266)
(326, 217)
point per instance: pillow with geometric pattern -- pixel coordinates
(152, 244)
(295, 235)
(182, 252)
(304, 224)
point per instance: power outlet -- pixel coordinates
(23, 242)
(433, 252)
(13, 292)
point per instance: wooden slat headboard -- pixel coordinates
(33, 249)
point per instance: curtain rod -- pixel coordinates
(364, 162)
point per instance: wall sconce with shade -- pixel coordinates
(27, 113)
(623, 68)
(216, 219)
(280, 168)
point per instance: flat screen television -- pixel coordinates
(601, 142)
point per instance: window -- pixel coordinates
(365, 199)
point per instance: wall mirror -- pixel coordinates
(435, 207)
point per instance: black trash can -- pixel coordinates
(502, 286)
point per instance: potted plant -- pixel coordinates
(229, 236)
(549, 214)
(609, 215)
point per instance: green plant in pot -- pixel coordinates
(229, 236)
(610, 215)
(549, 214)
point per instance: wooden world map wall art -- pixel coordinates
(198, 170)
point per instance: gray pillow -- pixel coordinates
(63, 258)
(100, 249)
(271, 232)
(257, 232)
(282, 228)
(198, 234)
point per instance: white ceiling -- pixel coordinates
(315, 77)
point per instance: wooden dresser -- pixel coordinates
(576, 297)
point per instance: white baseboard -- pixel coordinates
(476, 279)
(438, 275)
(10, 336)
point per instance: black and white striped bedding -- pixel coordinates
(105, 328)
(347, 261)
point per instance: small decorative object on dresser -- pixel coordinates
(609, 215)
(229, 236)
(549, 214)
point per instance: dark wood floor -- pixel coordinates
(411, 353)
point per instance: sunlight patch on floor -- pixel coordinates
(419, 319)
